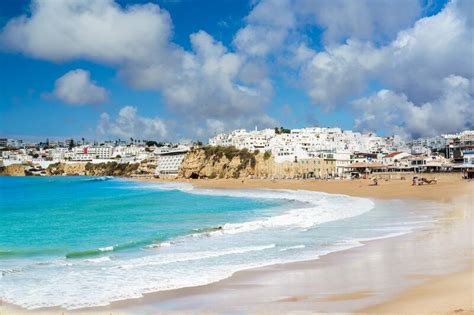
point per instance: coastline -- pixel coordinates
(451, 190)
(276, 281)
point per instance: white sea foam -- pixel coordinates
(188, 256)
(314, 208)
(158, 245)
(106, 249)
(97, 260)
(291, 247)
(385, 236)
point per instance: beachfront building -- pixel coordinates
(469, 158)
(429, 163)
(320, 168)
(169, 160)
(394, 158)
(460, 143)
(341, 160)
(359, 169)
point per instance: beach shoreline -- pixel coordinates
(450, 190)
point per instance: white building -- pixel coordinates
(308, 142)
(394, 157)
(468, 157)
(101, 152)
(169, 160)
(59, 153)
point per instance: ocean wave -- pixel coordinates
(102, 250)
(292, 247)
(4, 272)
(28, 252)
(189, 256)
(98, 260)
(317, 209)
(100, 178)
(311, 207)
(158, 245)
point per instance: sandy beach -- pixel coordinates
(426, 272)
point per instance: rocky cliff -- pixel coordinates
(73, 169)
(229, 162)
(90, 169)
(13, 170)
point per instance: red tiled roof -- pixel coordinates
(392, 154)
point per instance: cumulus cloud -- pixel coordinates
(210, 87)
(452, 111)
(268, 26)
(415, 65)
(96, 30)
(374, 20)
(273, 24)
(129, 124)
(208, 82)
(332, 76)
(76, 87)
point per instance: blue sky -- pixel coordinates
(173, 70)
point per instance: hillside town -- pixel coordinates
(318, 152)
(339, 152)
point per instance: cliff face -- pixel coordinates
(228, 162)
(89, 169)
(12, 170)
(73, 169)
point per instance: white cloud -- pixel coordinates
(268, 26)
(76, 87)
(213, 87)
(207, 82)
(374, 20)
(95, 30)
(130, 125)
(332, 76)
(453, 111)
(273, 23)
(414, 64)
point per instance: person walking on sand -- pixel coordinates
(414, 181)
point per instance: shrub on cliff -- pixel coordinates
(247, 158)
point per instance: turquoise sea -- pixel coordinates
(77, 242)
